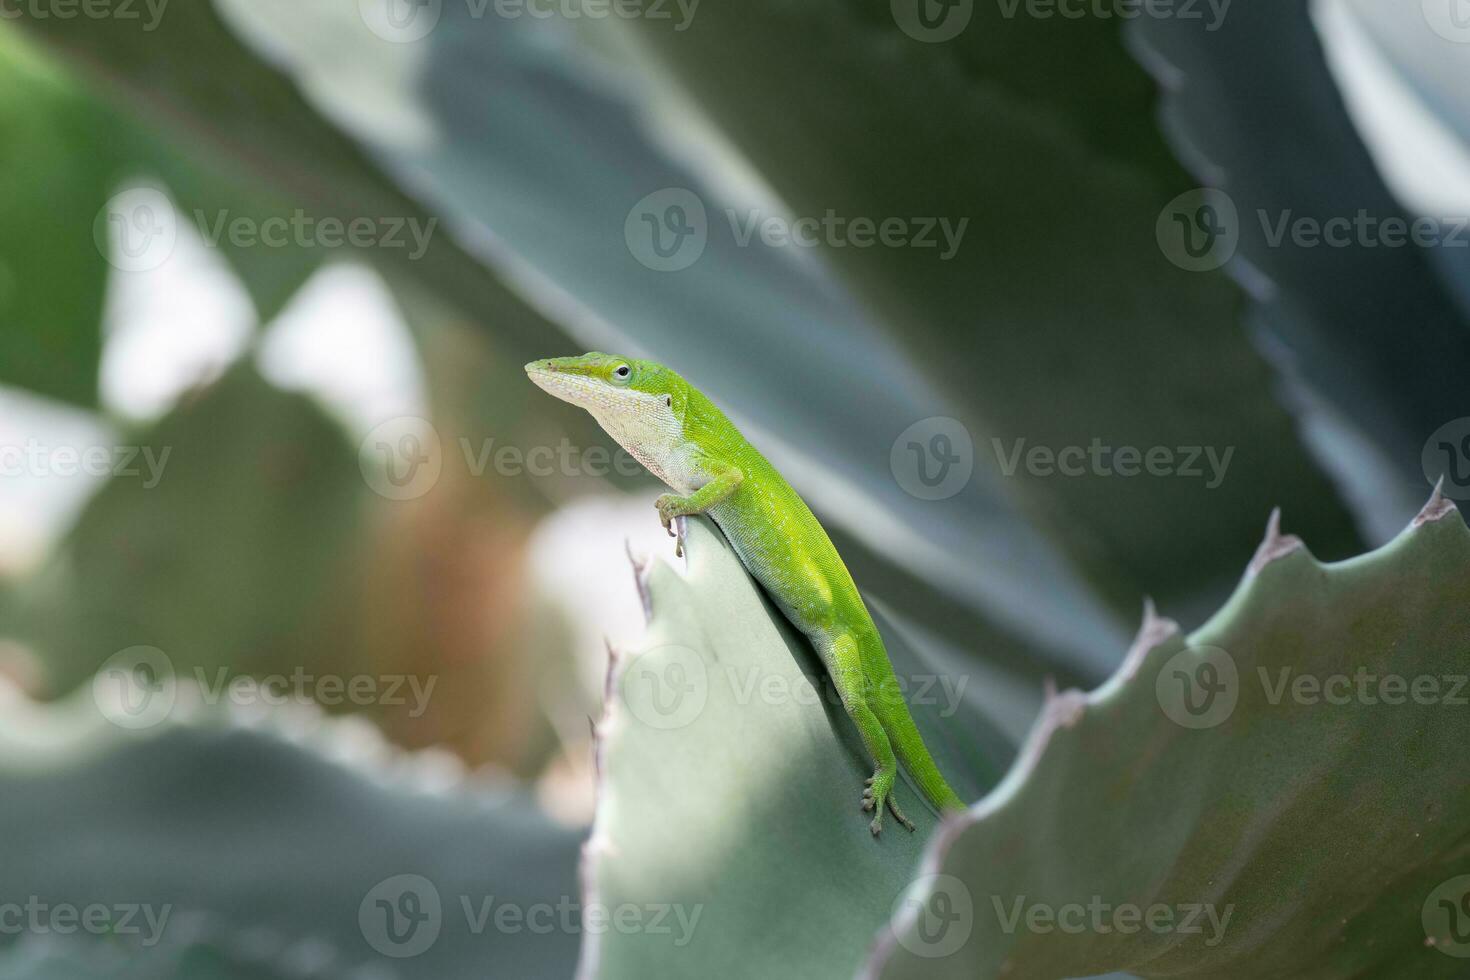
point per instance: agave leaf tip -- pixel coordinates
(1438, 507)
(1275, 545)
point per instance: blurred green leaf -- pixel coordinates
(269, 858)
(549, 150)
(1372, 330)
(52, 274)
(539, 181)
(63, 154)
(230, 108)
(92, 959)
(1059, 320)
(233, 521)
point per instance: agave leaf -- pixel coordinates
(242, 491)
(259, 858)
(556, 185)
(51, 274)
(65, 152)
(1425, 45)
(235, 112)
(53, 958)
(1372, 330)
(1283, 786)
(728, 776)
(874, 123)
(515, 100)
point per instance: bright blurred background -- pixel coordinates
(323, 458)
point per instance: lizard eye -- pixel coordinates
(622, 372)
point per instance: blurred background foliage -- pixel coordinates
(264, 372)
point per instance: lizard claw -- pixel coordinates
(878, 797)
(667, 515)
(898, 815)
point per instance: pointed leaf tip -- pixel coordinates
(1275, 545)
(1153, 631)
(640, 580)
(1438, 507)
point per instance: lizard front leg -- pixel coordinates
(716, 490)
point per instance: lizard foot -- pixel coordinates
(877, 796)
(669, 515)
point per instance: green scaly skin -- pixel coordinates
(688, 443)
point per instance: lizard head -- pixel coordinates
(640, 403)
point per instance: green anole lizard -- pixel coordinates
(689, 444)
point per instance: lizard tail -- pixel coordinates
(909, 746)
